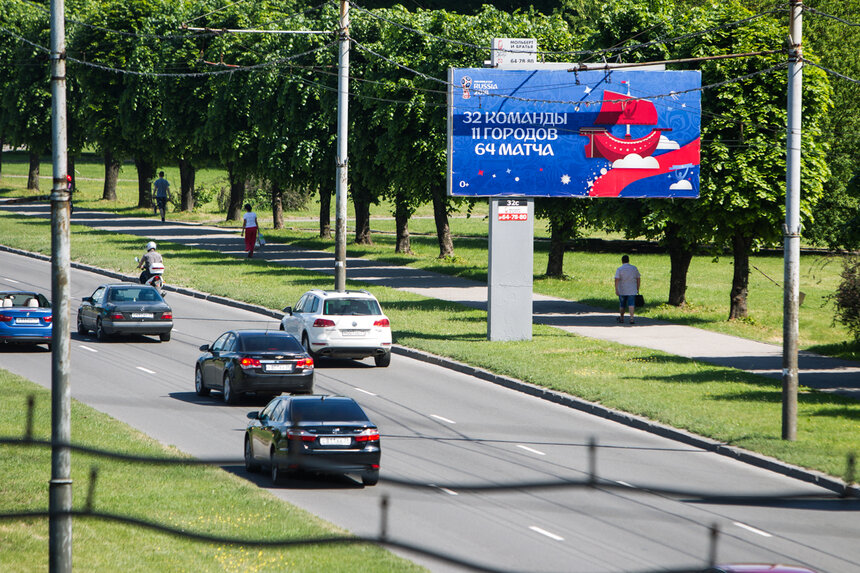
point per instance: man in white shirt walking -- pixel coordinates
(627, 279)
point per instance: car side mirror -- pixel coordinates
(204, 348)
(88, 299)
(288, 310)
(253, 415)
(163, 293)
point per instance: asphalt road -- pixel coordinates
(444, 428)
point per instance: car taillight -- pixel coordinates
(301, 435)
(382, 323)
(167, 316)
(5, 318)
(116, 316)
(306, 363)
(368, 436)
(249, 363)
(323, 322)
(48, 318)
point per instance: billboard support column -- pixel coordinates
(510, 269)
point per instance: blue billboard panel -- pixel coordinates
(554, 133)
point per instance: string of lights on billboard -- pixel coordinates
(551, 133)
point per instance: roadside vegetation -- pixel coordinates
(197, 499)
(722, 403)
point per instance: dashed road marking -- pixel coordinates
(445, 489)
(624, 483)
(752, 529)
(549, 534)
(366, 392)
(147, 370)
(87, 348)
(446, 420)
(532, 450)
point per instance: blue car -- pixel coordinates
(25, 317)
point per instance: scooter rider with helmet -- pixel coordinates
(151, 256)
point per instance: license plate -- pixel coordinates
(142, 315)
(353, 332)
(277, 367)
(26, 321)
(335, 441)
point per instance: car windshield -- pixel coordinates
(267, 343)
(351, 306)
(328, 411)
(134, 294)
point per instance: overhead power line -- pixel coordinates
(831, 16)
(831, 72)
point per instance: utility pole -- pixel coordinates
(792, 225)
(342, 132)
(60, 489)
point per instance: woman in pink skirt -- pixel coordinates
(249, 230)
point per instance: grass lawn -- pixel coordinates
(729, 405)
(589, 274)
(196, 499)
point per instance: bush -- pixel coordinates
(847, 296)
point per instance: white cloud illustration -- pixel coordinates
(666, 143)
(636, 161)
(682, 185)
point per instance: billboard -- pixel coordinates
(554, 133)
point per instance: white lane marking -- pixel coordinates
(752, 529)
(147, 370)
(445, 489)
(13, 281)
(366, 392)
(87, 348)
(532, 450)
(624, 483)
(446, 420)
(551, 535)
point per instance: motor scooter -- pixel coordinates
(156, 270)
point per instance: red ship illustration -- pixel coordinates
(621, 109)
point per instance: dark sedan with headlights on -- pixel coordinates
(266, 362)
(26, 318)
(125, 308)
(323, 434)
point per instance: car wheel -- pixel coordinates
(307, 344)
(100, 331)
(273, 467)
(230, 396)
(165, 337)
(199, 386)
(370, 477)
(250, 464)
(382, 360)
(81, 328)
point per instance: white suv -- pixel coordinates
(343, 324)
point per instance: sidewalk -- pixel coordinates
(816, 371)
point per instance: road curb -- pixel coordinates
(752, 458)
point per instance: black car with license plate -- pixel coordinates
(324, 434)
(125, 308)
(261, 361)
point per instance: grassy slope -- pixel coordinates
(193, 498)
(736, 407)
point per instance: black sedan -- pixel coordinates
(260, 361)
(325, 434)
(125, 308)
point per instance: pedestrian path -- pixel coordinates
(816, 371)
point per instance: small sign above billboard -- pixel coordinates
(514, 52)
(554, 133)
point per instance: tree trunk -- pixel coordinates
(33, 172)
(401, 223)
(277, 205)
(112, 166)
(145, 175)
(237, 194)
(362, 215)
(325, 214)
(187, 174)
(2, 143)
(440, 214)
(559, 234)
(680, 256)
(740, 279)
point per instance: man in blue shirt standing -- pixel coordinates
(161, 189)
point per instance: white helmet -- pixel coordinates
(150, 246)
